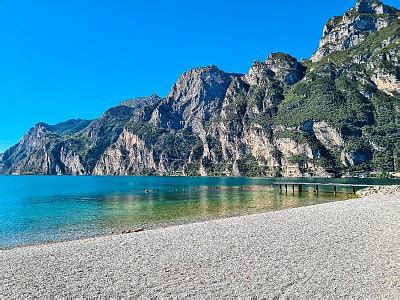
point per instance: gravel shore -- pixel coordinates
(341, 249)
(379, 190)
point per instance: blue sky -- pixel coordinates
(74, 59)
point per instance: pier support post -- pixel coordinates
(293, 188)
(300, 188)
(334, 189)
(317, 189)
(286, 188)
(354, 190)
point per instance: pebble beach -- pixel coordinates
(340, 249)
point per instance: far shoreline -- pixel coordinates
(209, 176)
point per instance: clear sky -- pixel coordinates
(74, 59)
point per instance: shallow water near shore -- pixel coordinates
(39, 209)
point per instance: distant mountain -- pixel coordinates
(337, 112)
(141, 102)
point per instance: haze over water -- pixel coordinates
(37, 209)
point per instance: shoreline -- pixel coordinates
(349, 197)
(382, 190)
(345, 248)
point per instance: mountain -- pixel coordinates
(337, 112)
(340, 33)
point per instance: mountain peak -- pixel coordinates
(141, 102)
(280, 56)
(368, 2)
(343, 32)
(279, 66)
(199, 82)
(373, 7)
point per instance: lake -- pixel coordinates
(38, 209)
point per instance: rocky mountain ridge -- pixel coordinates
(336, 113)
(340, 33)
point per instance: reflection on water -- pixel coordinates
(39, 209)
(162, 208)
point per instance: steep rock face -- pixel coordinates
(103, 132)
(279, 66)
(241, 140)
(31, 152)
(343, 32)
(373, 7)
(269, 80)
(297, 159)
(289, 147)
(193, 100)
(128, 155)
(41, 152)
(70, 163)
(354, 158)
(385, 68)
(387, 83)
(328, 136)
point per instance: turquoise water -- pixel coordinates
(37, 209)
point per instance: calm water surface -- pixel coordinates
(37, 209)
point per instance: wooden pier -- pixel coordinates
(299, 186)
